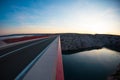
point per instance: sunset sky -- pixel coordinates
(60, 16)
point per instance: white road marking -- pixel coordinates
(21, 75)
(21, 42)
(45, 67)
(22, 48)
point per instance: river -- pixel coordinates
(90, 65)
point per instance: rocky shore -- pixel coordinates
(71, 43)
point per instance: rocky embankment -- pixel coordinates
(72, 43)
(80, 42)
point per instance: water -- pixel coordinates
(90, 65)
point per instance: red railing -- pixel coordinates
(59, 69)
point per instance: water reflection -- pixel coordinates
(90, 65)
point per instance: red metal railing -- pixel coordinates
(59, 71)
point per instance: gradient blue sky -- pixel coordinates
(60, 16)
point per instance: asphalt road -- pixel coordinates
(19, 57)
(16, 46)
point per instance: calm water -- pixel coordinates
(90, 65)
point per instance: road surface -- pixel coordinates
(15, 58)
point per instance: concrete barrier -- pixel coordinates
(49, 65)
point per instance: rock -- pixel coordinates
(84, 41)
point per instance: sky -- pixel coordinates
(60, 16)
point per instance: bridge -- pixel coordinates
(38, 59)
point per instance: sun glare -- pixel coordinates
(74, 16)
(96, 22)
